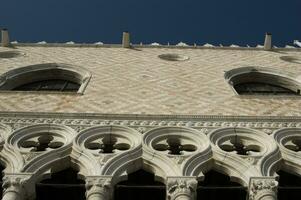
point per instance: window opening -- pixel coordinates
(140, 185)
(61, 186)
(219, 186)
(289, 186)
(49, 85)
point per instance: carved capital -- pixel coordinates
(98, 187)
(14, 185)
(181, 188)
(263, 188)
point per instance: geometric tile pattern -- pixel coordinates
(127, 81)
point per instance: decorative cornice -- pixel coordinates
(80, 121)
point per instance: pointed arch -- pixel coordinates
(242, 153)
(109, 151)
(21, 148)
(46, 77)
(263, 81)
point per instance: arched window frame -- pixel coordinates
(19, 76)
(275, 77)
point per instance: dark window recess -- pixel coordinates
(140, 185)
(1, 176)
(289, 186)
(218, 186)
(49, 85)
(263, 88)
(62, 185)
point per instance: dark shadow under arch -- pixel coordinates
(219, 186)
(1, 176)
(289, 186)
(61, 186)
(140, 185)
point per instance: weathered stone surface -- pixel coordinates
(138, 82)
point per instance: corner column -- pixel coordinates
(181, 188)
(263, 188)
(14, 186)
(98, 187)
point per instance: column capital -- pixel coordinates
(263, 188)
(181, 187)
(16, 184)
(98, 186)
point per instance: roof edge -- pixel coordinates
(96, 45)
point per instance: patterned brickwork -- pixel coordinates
(138, 82)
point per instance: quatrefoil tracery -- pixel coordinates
(174, 146)
(240, 146)
(43, 142)
(294, 145)
(107, 144)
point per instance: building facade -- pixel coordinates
(202, 122)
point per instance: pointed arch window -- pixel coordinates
(262, 81)
(49, 77)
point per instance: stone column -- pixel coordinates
(14, 186)
(98, 187)
(263, 188)
(181, 188)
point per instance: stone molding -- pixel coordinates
(179, 188)
(81, 121)
(263, 188)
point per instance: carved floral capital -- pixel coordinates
(98, 185)
(261, 187)
(181, 187)
(15, 183)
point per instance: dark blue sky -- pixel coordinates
(192, 21)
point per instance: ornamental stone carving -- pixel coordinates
(289, 141)
(105, 150)
(263, 188)
(16, 186)
(98, 187)
(176, 151)
(37, 146)
(243, 153)
(181, 188)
